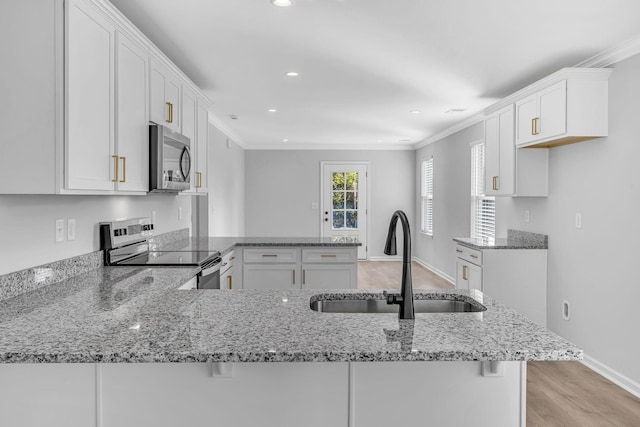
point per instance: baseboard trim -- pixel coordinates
(435, 271)
(384, 258)
(612, 375)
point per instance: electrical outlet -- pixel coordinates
(59, 230)
(578, 220)
(179, 214)
(527, 216)
(71, 229)
(153, 217)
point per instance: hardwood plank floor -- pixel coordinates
(559, 394)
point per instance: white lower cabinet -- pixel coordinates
(253, 394)
(300, 268)
(270, 276)
(514, 277)
(48, 394)
(227, 270)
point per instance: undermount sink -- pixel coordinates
(380, 306)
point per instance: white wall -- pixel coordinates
(451, 197)
(226, 185)
(27, 223)
(594, 268)
(281, 185)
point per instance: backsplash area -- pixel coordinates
(32, 278)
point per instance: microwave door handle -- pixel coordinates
(185, 174)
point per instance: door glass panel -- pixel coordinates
(352, 200)
(352, 219)
(338, 219)
(352, 180)
(338, 181)
(338, 200)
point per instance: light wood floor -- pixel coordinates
(559, 394)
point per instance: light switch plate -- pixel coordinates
(527, 216)
(578, 220)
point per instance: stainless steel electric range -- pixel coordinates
(126, 243)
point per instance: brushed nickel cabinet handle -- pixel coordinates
(474, 256)
(232, 258)
(230, 280)
(533, 126)
(495, 183)
(269, 255)
(124, 169)
(115, 179)
(304, 276)
(328, 256)
(169, 112)
(464, 272)
(459, 251)
(199, 180)
(294, 276)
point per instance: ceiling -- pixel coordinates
(365, 64)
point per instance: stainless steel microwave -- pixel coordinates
(170, 160)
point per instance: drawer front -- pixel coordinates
(329, 255)
(474, 256)
(270, 255)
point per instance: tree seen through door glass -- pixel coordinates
(345, 200)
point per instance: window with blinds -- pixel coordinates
(483, 208)
(427, 197)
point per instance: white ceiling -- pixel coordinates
(364, 64)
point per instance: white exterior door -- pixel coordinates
(344, 203)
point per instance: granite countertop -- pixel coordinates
(515, 240)
(225, 244)
(136, 314)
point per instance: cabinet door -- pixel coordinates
(164, 97)
(553, 110)
(132, 130)
(89, 142)
(202, 138)
(270, 276)
(500, 157)
(526, 112)
(329, 276)
(468, 276)
(189, 130)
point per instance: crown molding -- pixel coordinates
(331, 147)
(469, 121)
(620, 52)
(215, 121)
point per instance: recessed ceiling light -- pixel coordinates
(415, 112)
(455, 110)
(282, 3)
(292, 74)
(233, 117)
(285, 140)
(405, 140)
(272, 110)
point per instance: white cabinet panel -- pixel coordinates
(257, 394)
(90, 67)
(47, 394)
(132, 129)
(500, 153)
(164, 98)
(329, 276)
(468, 276)
(202, 139)
(271, 255)
(271, 276)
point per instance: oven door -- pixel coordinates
(209, 277)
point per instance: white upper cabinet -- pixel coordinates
(509, 170)
(90, 159)
(500, 160)
(202, 136)
(132, 130)
(189, 115)
(95, 82)
(566, 107)
(164, 99)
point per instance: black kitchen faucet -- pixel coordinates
(405, 299)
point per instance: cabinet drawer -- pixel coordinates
(329, 255)
(226, 262)
(270, 255)
(474, 256)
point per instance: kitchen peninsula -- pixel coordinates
(122, 346)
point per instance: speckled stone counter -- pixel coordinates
(515, 239)
(225, 244)
(128, 314)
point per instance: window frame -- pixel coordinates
(426, 196)
(480, 228)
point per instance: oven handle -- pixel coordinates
(210, 270)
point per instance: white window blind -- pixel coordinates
(427, 197)
(483, 208)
